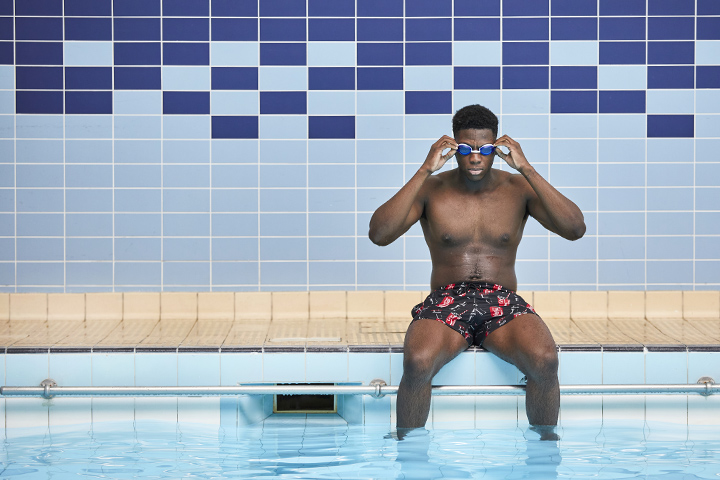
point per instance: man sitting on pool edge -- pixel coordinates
(473, 218)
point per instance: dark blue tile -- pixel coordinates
(282, 30)
(138, 78)
(573, 101)
(137, 28)
(185, 8)
(708, 7)
(671, 28)
(671, 52)
(234, 78)
(428, 29)
(708, 28)
(477, 29)
(137, 53)
(574, 28)
(379, 53)
(38, 28)
(477, 78)
(428, 8)
(525, 29)
(34, 53)
(671, 77)
(622, 28)
(432, 102)
(235, 29)
(428, 53)
(186, 29)
(331, 8)
(282, 8)
(671, 7)
(39, 78)
(380, 8)
(283, 54)
(277, 103)
(526, 8)
(7, 53)
(331, 127)
(89, 103)
(622, 53)
(39, 102)
(670, 126)
(38, 7)
(235, 127)
(88, 78)
(708, 76)
(234, 8)
(186, 53)
(477, 8)
(6, 28)
(186, 103)
(6, 7)
(525, 53)
(88, 29)
(331, 78)
(622, 7)
(331, 29)
(571, 8)
(140, 8)
(88, 8)
(573, 77)
(379, 29)
(379, 78)
(525, 77)
(619, 101)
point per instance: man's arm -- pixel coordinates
(397, 215)
(551, 208)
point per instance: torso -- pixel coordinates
(474, 235)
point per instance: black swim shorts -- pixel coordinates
(472, 309)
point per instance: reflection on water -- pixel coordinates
(326, 447)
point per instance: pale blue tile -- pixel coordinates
(703, 364)
(37, 200)
(134, 176)
(525, 101)
(534, 149)
(7, 77)
(673, 273)
(396, 368)
(332, 248)
(283, 176)
(573, 272)
(39, 225)
(572, 126)
(338, 176)
(186, 151)
(88, 176)
(137, 200)
(331, 103)
(708, 223)
(380, 151)
(707, 272)
(89, 249)
(620, 199)
(156, 369)
(622, 77)
(427, 126)
(138, 151)
(621, 272)
(235, 54)
(138, 127)
(670, 101)
(185, 78)
(283, 127)
(532, 272)
(622, 126)
(580, 368)
(137, 249)
(380, 273)
(669, 175)
(7, 251)
(234, 151)
(113, 369)
(670, 198)
(707, 175)
(283, 224)
(26, 370)
(377, 410)
(40, 274)
(283, 249)
(240, 368)
(574, 53)
(186, 176)
(707, 125)
(573, 175)
(186, 249)
(633, 175)
(182, 200)
(276, 78)
(36, 126)
(370, 102)
(186, 126)
(365, 367)
(491, 370)
(201, 369)
(284, 367)
(235, 273)
(288, 200)
(144, 102)
(670, 223)
(623, 368)
(134, 274)
(366, 250)
(526, 126)
(234, 224)
(477, 53)
(415, 248)
(417, 273)
(283, 151)
(380, 176)
(707, 101)
(7, 126)
(7, 225)
(331, 275)
(7, 151)
(186, 224)
(584, 197)
(621, 223)
(88, 151)
(380, 127)
(331, 151)
(459, 371)
(39, 176)
(326, 367)
(327, 224)
(666, 150)
(706, 52)
(234, 200)
(666, 367)
(574, 150)
(428, 78)
(369, 199)
(489, 98)
(234, 103)
(7, 102)
(234, 176)
(189, 274)
(137, 224)
(88, 53)
(583, 249)
(235, 249)
(533, 248)
(331, 54)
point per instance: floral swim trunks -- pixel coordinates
(472, 309)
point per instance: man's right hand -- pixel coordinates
(435, 159)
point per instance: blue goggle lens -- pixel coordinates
(465, 149)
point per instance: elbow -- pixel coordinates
(577, 232)
(378, 239)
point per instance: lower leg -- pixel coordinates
(542, 400)
(413, 403)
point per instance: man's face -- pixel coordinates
(475, 166)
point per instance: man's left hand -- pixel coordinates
(515, 156)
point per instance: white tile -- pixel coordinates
(241, 368)
(623, 368)
(71, 369)
(26, 370)
(666, 409)
(491, 370)
(202, 410)
(704, 410)
(284, 367)
(666, 367)
(199, 369)
(154, 409)
(326, 367)
(156, 369)
(25, 413)
(703, 364)
(580, 368)
(70, 411)
(396, 368)
(365, 367)
(113, 369)
(113, 410)
(459, 371)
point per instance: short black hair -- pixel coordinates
(474, 116)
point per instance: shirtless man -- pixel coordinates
(473, 218)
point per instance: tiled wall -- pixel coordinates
(244, 144)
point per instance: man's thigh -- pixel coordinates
(429, 338)
(520, 340)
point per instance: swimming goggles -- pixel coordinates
(465, 149)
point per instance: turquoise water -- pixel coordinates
(325, 447)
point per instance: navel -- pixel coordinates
(505, 238)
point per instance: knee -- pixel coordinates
(543, 363)
(419, 366)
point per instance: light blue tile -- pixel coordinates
(137, 249)
(331, 54)
(186, 126)
(459, 371)
(234, 103)
(7, 102)
(134, 274)
(379, 273)
(26, 370)
(331, 151)
(621, 223)
(491, 370)
(332, 248)
(669, 175)
(379, 127)
(201, 369)
(7, 77)
(284, 367)
(368, 200)
(428, 78)
(186, 78)
(670, 101)
(623, 368)
(633, 175)
(137, 200)
(7, 126)
(186, 249)
(145, 102)
(705, 247)
(40, 274)
(186, 151)
(365, 367)
(622, 126)
(7, 225)
(275, 78)
(574, 150)
(134, 176)
(415, 248)
(88, 176)
(380, 151)
(665, 150)
(532, 272)
(37, 126)
(703, 364)
(39, 224)
(417, 273)
(477, 53)
(622, 77)
(283, 176)
(186, 176)
(380, 176)
(574, 53)
(338, 176)
(378, 411)
(182, 200)
(283, 249)
(580, 368)
(326, 224)
(234, 151)
(526, 126)
(573, 126)
(673, 273)
(670, 223)
(235, 273)
(138, 127)
(583, 249)
(138, 151)
(113, 370)
(283, 127)
(87, 274)
(707, 101)
(427, 126)
(235, 200)
(707, 272)
(670, 198)
(536, 150)
(88, 151)
(39, 200)
(331, 103)
(666, 367)
(186, 224)
(369, 103)
(283, 151)
(708, 223)
(241, 368)
(88, 53)
(98, 249)
(234, 176)
(7, 151)
(573, 175)
(366, 250)
(7, 251)
(186, 274)
(620, 199)
(235, 54)
(621, 272)
(234, 224)
(573, 272)
(533, 248)
(525, 101)
(235, 249)
(39, 175)
(283, 224)
(137, 224)
(326, 367)
(331, 275)
(706, 175)
(707, 125)
(156, 369)
(707, 52)
(489, 98)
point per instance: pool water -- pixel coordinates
(324, 446)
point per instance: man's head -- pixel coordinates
(475, 117)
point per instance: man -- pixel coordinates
(473, 218)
